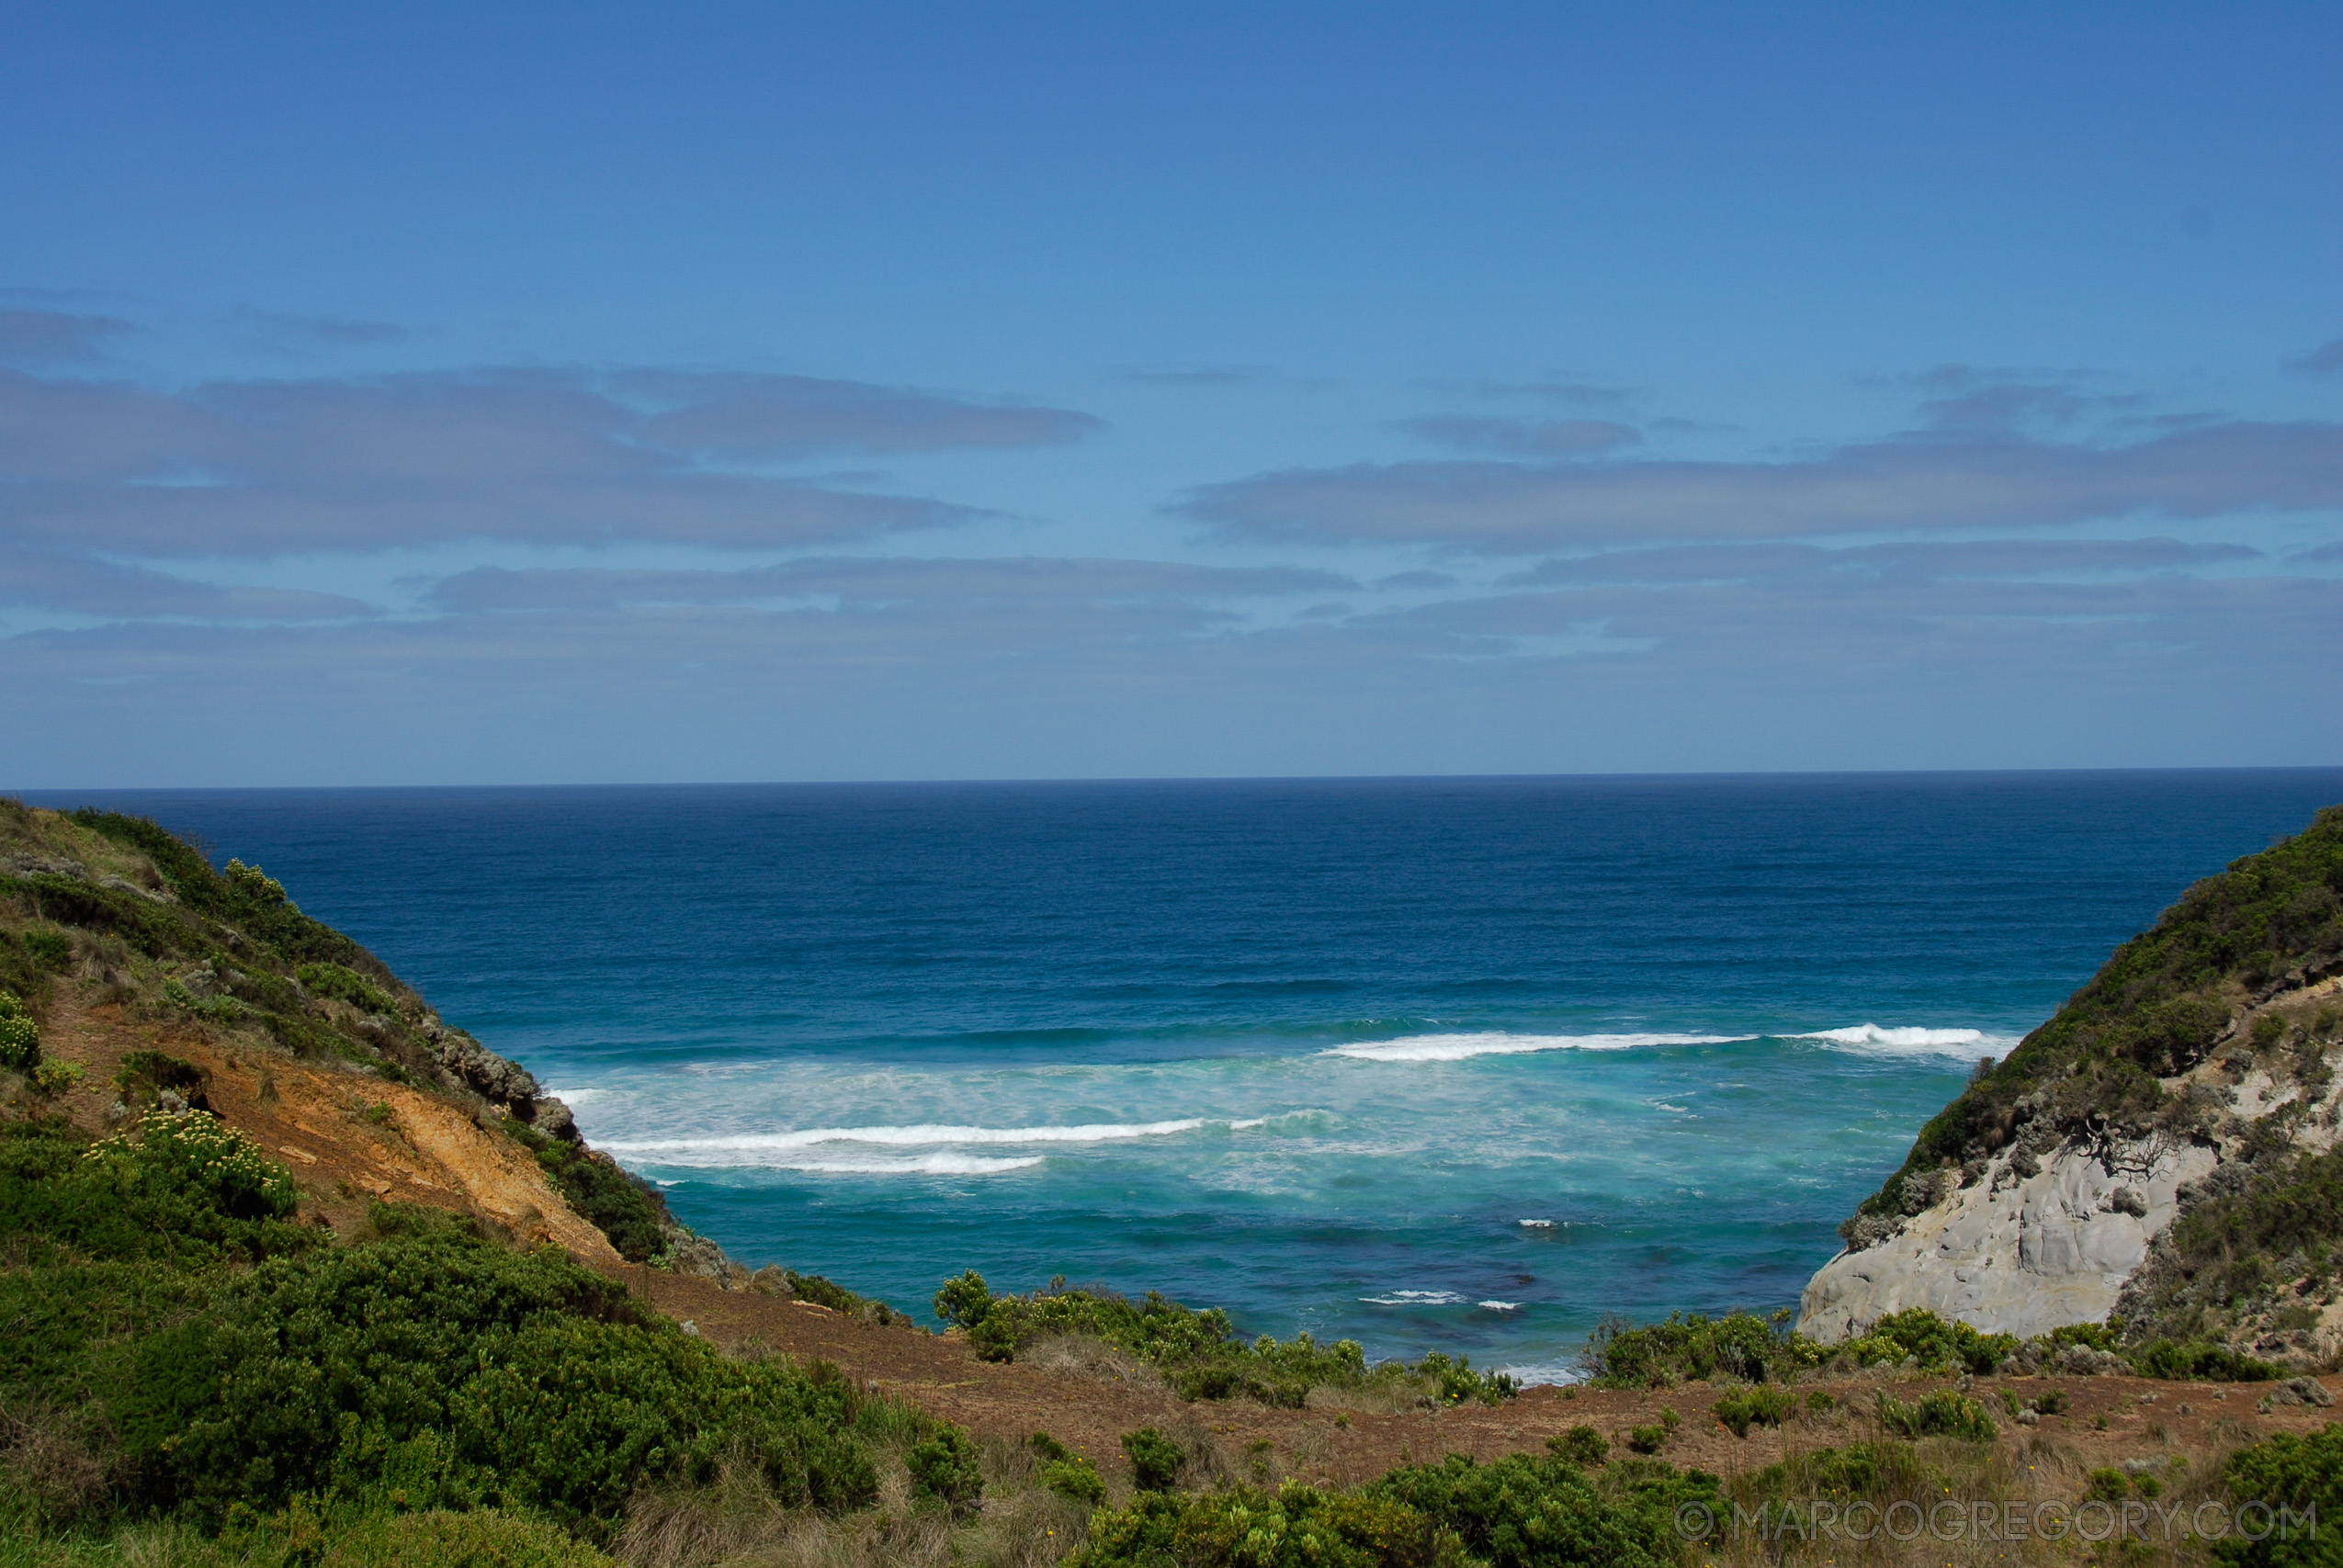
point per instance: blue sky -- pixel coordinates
(588, 394)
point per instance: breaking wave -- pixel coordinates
(1493, 1043)
(673, 1149)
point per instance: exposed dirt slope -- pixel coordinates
(349, 1138)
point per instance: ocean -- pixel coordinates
(1456, 1063)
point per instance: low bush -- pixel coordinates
(51, 950)
(346, 985)
(1294, 1527)
(1580, 1446)
(1520, 1512)
(56, 1077)
(1156, 1459)
(1755, 1406)
(1878, 1474)
(19, 1036)
(1936, 1344)
(837, 1298)
(1939, 1414)
(425, 1363)
(2203, 1361)
(1694, 1347)
(1199, 1353)
(2297, 1473)
(1526, 1510)
(946, 1469)
(1075, 1478)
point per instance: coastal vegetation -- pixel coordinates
(1199, 1354)
(204, 1363)
(1745, 1347)
(1523, 1509)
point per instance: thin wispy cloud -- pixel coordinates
(1031, 582)
(41, 338)
(255, 468)
(1194, 375)
(1953, 480)
(74, 583)
(1522, 438)
(2324, 360)
(283, 329)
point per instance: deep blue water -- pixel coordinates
(1314, 1050)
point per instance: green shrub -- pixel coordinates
(1074, 1478)
(963, 1302)
(1199, 1353)
(2104, 1337)
(19, 1036)
(2201, 1360)
(2298, 1473)
(1693, 1346)
(1760, 1407)
(482, 1374)
(52, 950)
(56, 1077)
(254, 883)
(198, 1155)
(1940, 1345)
(346, 985)
(945, 1468)
(1294, 1527)
(345, 1537)
(1516, 1512)
(1580, 1446)
(1941, 1413)
(837, 1298)
(1647, 1440)
(1526, 1510)
(1156, 1459)
(1878, 1472)
(2106, 1485)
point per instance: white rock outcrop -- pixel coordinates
(2014, 1254)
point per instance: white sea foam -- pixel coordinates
(749, 1144)
(1500, 1306)
(1911, 1041)
(1414, 1299)
(1868, 1037)
(1537, 1224)
(941, 1162)
(1494, 1043)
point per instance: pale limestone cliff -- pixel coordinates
(2049, 1229)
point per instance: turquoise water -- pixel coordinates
(1464, 1065)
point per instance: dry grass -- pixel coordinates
(735, 1523)
(1086, 1354)
(1798, 1465)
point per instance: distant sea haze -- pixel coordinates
(1464, 1065)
